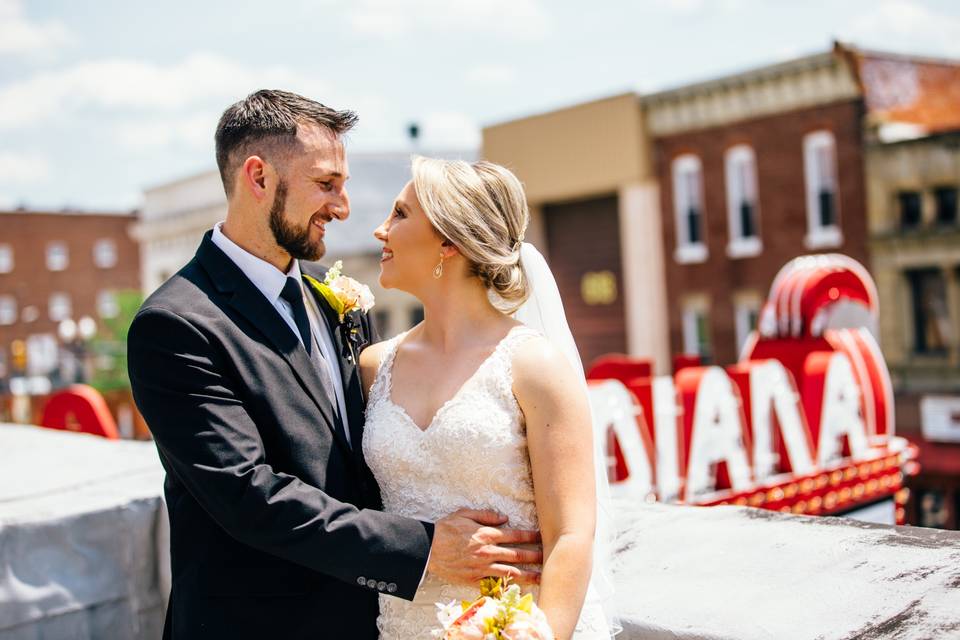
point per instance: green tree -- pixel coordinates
(109, 347)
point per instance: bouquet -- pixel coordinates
(500, 613)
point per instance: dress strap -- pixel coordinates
(517, 336)
(383, 380)
(502, 372)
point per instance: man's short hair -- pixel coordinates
(265, 123)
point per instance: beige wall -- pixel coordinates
(589, 149)
(907, 166)
(918, 165)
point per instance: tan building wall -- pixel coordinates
(897, 247)
(593, 152)
(585, 150)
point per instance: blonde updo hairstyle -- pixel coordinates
(481, 208)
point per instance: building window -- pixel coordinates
(946, 199)
(42, 354)
(416, 315)
(911, 209)
(746, 313)
(696, 331)
(105, 253)
(934, 510)
(59, 307)
(820, 176)
(740, 168)
(931, 320)
(57, 256)
(8, 310)
(6, 258)
(381, 322)
(107, 305)
(688, 209)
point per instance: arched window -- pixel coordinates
(823, 202)
(688, 208)
(743, 203)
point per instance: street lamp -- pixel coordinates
(75, 334)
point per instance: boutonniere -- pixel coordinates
(345, 295)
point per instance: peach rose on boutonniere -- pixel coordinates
(345, 295)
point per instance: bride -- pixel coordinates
(472, 408)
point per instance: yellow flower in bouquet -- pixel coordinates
(500, 613)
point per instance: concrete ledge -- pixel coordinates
(712, 573)
(83, 549)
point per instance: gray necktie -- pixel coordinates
(293, 294)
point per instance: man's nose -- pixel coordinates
(340, 208)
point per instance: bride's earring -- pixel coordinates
(438, 270)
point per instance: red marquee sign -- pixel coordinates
(803, 423)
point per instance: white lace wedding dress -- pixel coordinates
(472, 454)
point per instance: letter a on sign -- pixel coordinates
(833, 407)
(772, 392)
(716, 434)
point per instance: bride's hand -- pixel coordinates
(468, 546)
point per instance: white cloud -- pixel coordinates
(898, 25)
(19, 36)
(681, 6)
(23, 168)
(448, 130)
(520, 19)
(491, 75)
(118, 85)
(194, 130)
(699, 6)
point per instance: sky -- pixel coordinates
(102, 99)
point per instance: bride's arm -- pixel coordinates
(560, 441)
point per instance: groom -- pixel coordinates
(250, 387)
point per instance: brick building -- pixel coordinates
(759, 167)
(754, 169)
(682, 206)
(56, 266)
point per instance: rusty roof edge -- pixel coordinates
(901, 57)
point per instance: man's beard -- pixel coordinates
(294, 241)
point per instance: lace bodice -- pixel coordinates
(473, 454)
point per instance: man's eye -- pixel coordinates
(326, 185)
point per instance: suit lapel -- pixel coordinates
(349, 373)
(252, 305)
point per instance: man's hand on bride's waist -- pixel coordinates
(470, 544)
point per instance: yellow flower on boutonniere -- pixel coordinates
(344, 294)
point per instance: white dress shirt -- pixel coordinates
(270, 280)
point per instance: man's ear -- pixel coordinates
(255, 176)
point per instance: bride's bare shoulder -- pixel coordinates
(538, 365)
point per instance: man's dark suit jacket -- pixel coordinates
(274, 522)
